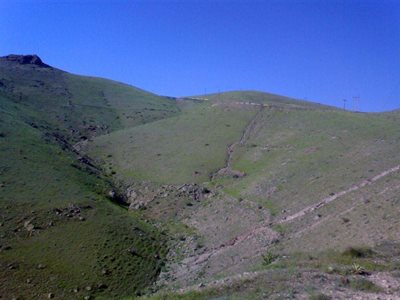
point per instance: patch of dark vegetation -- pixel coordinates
(319, 296)
(362, 284)
(345, 220)
(358, 252)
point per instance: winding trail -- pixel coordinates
(266, 228)
(263, 228)
(329, 199)
(249, 129)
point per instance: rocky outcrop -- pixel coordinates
(139, 197)
(193, 191)
(25, 60)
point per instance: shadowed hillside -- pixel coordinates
(60, 234)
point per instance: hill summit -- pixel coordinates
(31, 59)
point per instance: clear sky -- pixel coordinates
(323, 51)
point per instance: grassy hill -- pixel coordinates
(268, 158)
(240, 194)
(262, 98)
(59, 232)
(77, 106)
(185, 148)
(190, 146)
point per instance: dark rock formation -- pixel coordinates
(25, 60)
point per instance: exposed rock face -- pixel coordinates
(25, 60)
(131, 195)
(72, 211)
(194, 191)
(139, 198)
(228, 172)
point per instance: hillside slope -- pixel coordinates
(78, 107)
(240, 194)
(60, 234)
(286, 176)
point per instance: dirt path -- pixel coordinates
(329, 199)
(386, 281)
(262, 229)
(265, 228)
(249, 129)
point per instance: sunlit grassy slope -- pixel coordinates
(294, 157)
(59, 233)
(190, 146)
(263, 98)
(296, 153)
(186, 148)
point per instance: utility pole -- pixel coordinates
(344, 104)
(356, 100)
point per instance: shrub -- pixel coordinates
(269, 258)
(357, 269)
(358, 252)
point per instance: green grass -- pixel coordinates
(78, 106)
(335, 262)
(193, 295)
(358, 252)
(269, 258)
(38, 177)
(275, 101)
(45, 112)
(297, 153)
(186, 148)
(305, 155)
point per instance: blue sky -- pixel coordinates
(323, 51)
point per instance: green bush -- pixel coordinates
(269, 258)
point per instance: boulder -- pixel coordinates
(131, 195)
(136, 206)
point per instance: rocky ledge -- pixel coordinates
(25, 60)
